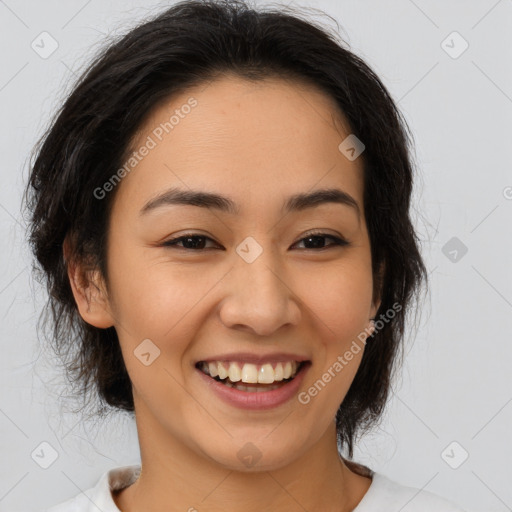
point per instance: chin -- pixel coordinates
(258, 454)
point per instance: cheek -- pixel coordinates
(154, 298)
(340, 298)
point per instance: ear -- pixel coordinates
(377, 290)
(89, 291)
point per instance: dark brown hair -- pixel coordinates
(188, 44)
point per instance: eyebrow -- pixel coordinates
(295, 203)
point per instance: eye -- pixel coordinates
(189, 240)
(193, 242)
(316, 240)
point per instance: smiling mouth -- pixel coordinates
(249, 377)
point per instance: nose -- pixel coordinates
(259, 296)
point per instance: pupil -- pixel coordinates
(196, 242)
(318, 240)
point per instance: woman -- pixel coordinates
(221, 211)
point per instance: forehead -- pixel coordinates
(251, 140)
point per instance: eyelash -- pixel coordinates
(337, 241)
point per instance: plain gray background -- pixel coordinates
(456, 384)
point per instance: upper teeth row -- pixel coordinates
(250, 373)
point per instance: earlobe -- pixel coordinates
(89, 292)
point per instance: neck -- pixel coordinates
(177, 478)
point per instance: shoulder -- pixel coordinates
(79, 503)
(394, 496)
(99, 497)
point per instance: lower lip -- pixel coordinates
(259, 400)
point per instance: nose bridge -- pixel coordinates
(258, 268)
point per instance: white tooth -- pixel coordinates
(266, 374)
(222, 372)
(250, 373)
(278, 372)
(287, 370)
(234, 372)
(295, 365)
(212, 368)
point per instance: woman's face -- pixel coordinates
(254, 287)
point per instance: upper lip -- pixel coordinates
(247, 357)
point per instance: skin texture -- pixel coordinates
(258, 143)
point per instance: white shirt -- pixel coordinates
(383, 495)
